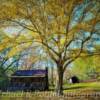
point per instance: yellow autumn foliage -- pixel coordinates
(18, 48)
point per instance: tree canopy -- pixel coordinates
(63, 28)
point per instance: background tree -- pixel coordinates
(85, 68)
(62, 27)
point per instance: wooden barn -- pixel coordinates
(29, 80)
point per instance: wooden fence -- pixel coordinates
(51, 95)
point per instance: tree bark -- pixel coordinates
(52, 79)
(59, 88)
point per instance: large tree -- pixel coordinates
(64, 28)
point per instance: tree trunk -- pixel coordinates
(59, 88)
(52, 79)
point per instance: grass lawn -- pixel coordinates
(95, 86)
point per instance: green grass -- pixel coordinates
(88, 86)
(70, 87)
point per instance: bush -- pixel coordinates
(3, 83)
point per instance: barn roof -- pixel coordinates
(29, 72)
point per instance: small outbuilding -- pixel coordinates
(29, 80)
(74, 79)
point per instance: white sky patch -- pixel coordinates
(12, 31)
